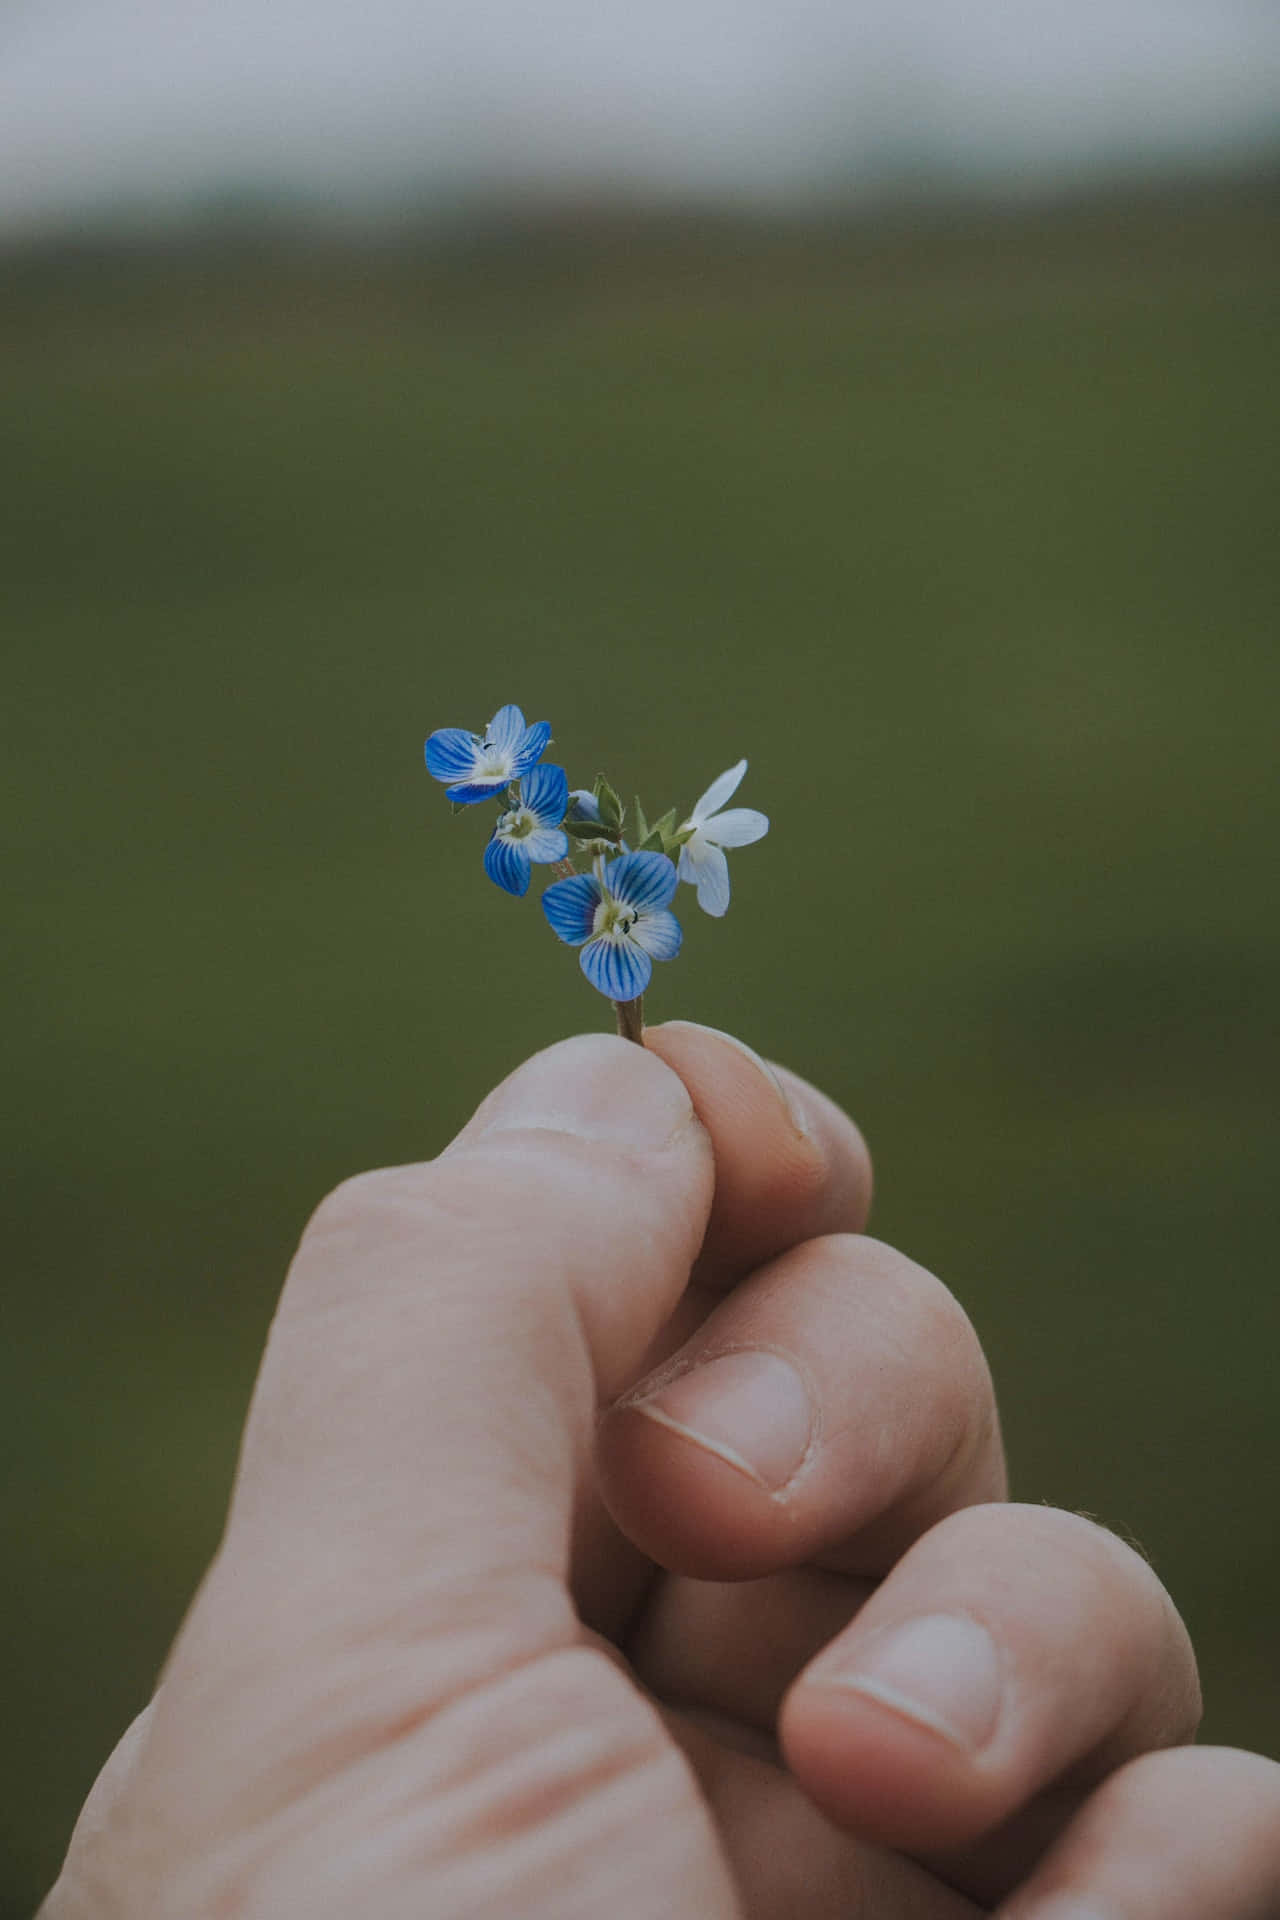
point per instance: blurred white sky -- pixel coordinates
(156, 102)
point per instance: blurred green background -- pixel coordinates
(960, 526)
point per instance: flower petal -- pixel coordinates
(472, 790)
(451, 753)
(616, 966)
(531, 745)
(570, 906)
(739, 827)
(507, 862)
(691, 857)
(717, 793)
(505, 729)
(583, 805)
(641, 879)
(544, 791)
(545, 844)
(658, 933)
(708, 871)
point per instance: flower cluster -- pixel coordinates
(618, 912)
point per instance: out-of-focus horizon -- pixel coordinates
(136, 112)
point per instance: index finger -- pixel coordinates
(790, 1165)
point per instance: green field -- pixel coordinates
(962, 529)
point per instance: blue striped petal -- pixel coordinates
(658, 933)
(507, 862)
(616, 967)
(545, 791)
(505, 729)
(570, 906)
(641, 879)
(451, 753)
(545, 844)
(472, 790)
(532, 744)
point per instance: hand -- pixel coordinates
(469, 1648)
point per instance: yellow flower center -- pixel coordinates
(614, 917)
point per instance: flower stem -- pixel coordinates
(630, 1017)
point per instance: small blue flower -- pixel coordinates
(531, 831)
(476, 766)
(619, 916)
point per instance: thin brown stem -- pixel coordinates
(630, 1017)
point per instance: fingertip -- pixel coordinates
(594, 1085)
(688, 1043)
(891, 1742)
(1011, 1648)
(789, 1164)
(696, 1465)
(881, 1764)
(1181, 1834)
(749, 1111)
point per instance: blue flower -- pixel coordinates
(531, 831)
(477, 767)
(619, 916)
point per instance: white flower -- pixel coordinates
(702, 861)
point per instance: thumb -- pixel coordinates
(382, 1699)
(427, 1399)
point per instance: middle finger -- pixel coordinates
(833, 1407)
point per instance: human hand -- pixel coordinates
(537, 1541)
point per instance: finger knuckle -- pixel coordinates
(359, 1206)
(933, 1323)
(1122, 1564)
(923, 1306)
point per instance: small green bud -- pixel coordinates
(609, 804)
(591, 830)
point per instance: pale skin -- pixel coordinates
(620, 1531)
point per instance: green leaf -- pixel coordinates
(678, 839)
(652, 842)
(642, 825)
(663, 828)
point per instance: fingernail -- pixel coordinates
(940, 1670)
(795, 1113)
(751, 1409)
(595, 1086)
